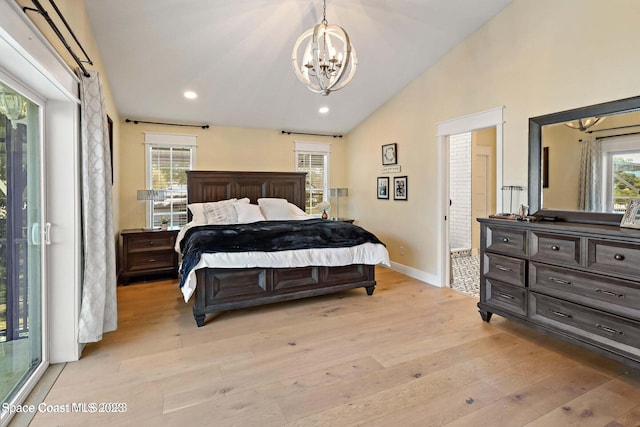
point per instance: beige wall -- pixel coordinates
(219, 148)
(530, 59)
(75, 14)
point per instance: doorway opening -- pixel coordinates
(479, 184)
(472, 193)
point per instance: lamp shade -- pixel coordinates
(155, 195)
(338, 192)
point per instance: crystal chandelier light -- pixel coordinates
(13, 106)
(328, 60)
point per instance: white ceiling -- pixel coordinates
(236, 55)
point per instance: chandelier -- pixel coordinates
(584, 124)
(13, 106)
(328, 60)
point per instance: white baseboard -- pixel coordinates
(423, 276)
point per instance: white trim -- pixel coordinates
(414, 273)
(173, 139)
(312, 147)
(482, 120)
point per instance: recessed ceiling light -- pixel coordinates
(323, 110)
(190, 94)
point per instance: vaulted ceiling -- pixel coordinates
(236, 55)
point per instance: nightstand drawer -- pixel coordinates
(508, 241)
(505, 269)
(151, 241)
(149, 261)
(556, 248)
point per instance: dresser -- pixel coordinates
(148, 253)
(579, 282)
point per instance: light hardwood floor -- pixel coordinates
(411, 354)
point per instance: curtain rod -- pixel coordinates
(289, 132)
(41, 10)
(618, 134)
(135, 122)
(613, 128)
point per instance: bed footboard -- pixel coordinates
(220, 289)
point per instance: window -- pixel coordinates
(168, 158)
(622, 172)
(313, 158)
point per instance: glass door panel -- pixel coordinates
(21, 349)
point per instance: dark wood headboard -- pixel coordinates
(212, 186)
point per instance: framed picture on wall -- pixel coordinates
(383, 187)
(400, 188)
(390, 154)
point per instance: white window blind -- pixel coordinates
(168, 159)
(313, 158)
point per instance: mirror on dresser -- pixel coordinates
(555, 152)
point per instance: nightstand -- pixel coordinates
(148, 253)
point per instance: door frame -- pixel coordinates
(468, 123)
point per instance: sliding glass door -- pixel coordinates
(21, 253)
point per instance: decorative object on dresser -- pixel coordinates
(323, 206)
(631, 217)
(148, 253)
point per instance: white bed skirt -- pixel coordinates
(367, 253)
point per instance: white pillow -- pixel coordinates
(197, 213)
(275, 209)
(248, 213)
(297, 213)
(221, 213)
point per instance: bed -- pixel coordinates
(220, 281)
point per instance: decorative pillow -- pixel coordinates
(248, 213)
(220, 213)
(275, 209)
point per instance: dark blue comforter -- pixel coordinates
(269, 236)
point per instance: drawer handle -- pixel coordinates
(555, 248)
(610, 330)
(562, 282)
(512, 298)
(503, 268)
(151, 260)
(613, 294)
(151, 243)
(558, 313)
(505, 239)
(618, 257)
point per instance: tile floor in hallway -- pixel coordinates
(466, 272)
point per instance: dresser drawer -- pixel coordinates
(595, 326)
(614, 257)
(506, 240)
(616, 296)
(505, 269)
(140, 261)
(151, 241)
(504, 296)
(556, 248)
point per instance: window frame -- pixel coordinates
(610, 148)
(315, 148)
(165, 140)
